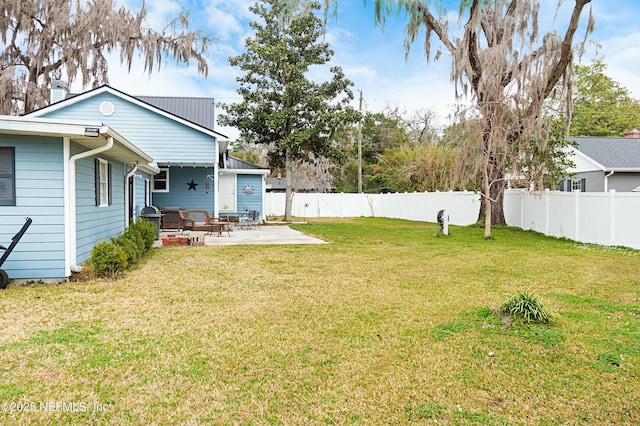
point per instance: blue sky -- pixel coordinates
(372, 58)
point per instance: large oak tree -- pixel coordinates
(43, 40)
(504, 65)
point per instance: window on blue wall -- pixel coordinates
(147, 192)
(161, 181)
(103, 183)
(7, 177)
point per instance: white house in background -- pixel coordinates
(604, 163)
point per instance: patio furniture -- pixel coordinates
(201, 220)
(252, 220)
(171, 218)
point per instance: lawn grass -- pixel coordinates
(387, 324)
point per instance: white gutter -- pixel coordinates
(72, 199)
(606, 180)
(127, 207)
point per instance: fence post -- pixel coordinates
(547, 193)
(521, 209)
(577, 220)
(612, 215)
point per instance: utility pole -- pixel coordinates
(360, 147)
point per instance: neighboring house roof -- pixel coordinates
(197, 110)
(238, 164)
(80, 132)
(136, 100)
(617, 154)
(231, 164)
(276, 184)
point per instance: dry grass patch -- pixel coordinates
(388, 324)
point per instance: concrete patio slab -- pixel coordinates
(260, 235)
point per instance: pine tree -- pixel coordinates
(282, 107)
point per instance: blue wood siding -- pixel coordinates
(39, 195)
(139, 189)
(179, 194)
(93, 223)
(253, 201)
(162, 138)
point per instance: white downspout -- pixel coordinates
(66, 152)
(127, 207)
(72, 200)
(263, 213)
(606, 180)
(216, 190)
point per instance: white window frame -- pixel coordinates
(576, 185)
(103, 174)
(166, 180)
(147, 192)
(10, 176)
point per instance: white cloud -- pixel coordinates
(622, 54)
(374, 60)
(225, 24)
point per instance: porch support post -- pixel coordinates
(216, 190)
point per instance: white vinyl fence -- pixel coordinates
(602, 218)
(611, 218)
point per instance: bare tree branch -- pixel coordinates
(54, 38)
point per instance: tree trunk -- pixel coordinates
(493, 184)
(486, 189)
(288, 169)
(496, 192)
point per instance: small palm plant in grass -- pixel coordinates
(526, 307)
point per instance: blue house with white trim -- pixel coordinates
(69, 177)
(84, 167)
(195, 171)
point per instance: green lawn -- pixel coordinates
(387, 324)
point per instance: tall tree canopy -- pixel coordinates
(50, 39)
(282, 106)
(601, 106)
(501, 62)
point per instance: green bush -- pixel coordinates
(526, 307)
(147, 230)
(130, 248)
(134, 235)
(143, 232)
(111, 257)
(108, 259)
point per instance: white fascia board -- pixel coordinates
(106, 89)
(624, 169)
(43, 126)
(74, 130)
(244, 171)
(119, 139)
(591, 164)
(148, 168)
(165, 164)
